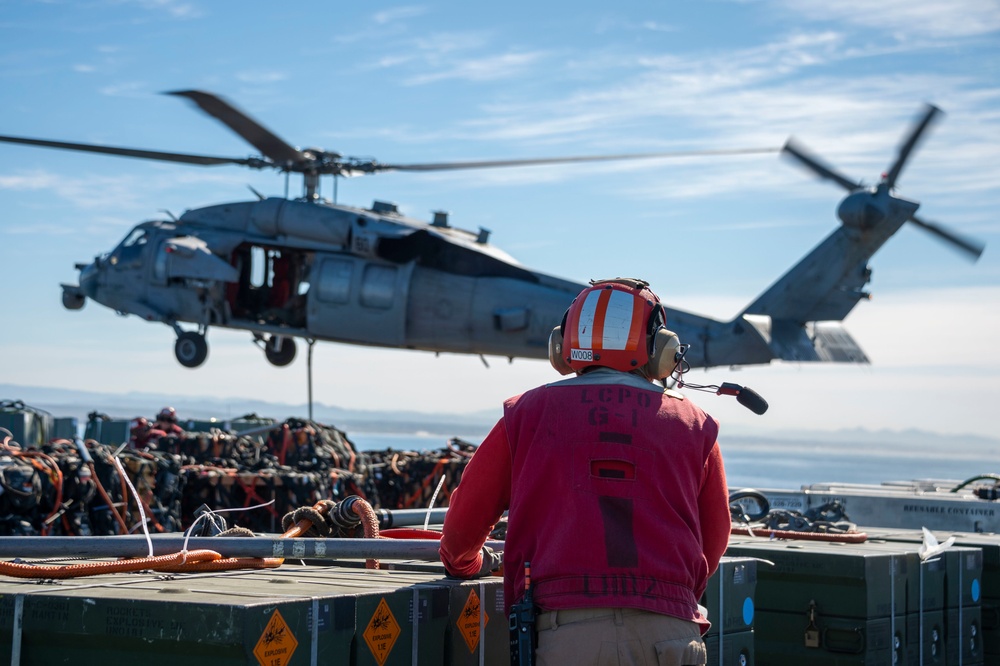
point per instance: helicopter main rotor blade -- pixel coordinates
(373, 167)
(816, 165)
(911, 142)
(257, 135)
(969, 247)
(185, 158)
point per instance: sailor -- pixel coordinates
(615, 489)
(166, 421)
(143, 435)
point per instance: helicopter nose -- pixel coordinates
(88, 281)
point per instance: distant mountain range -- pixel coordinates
(78, 404)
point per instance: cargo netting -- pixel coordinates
(53, 489)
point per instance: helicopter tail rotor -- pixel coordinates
(931, 112)
(816, 165)
(869, 205)
(970, 247)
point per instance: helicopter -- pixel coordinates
(312, 269)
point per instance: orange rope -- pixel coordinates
(418, 494)
(369, 521)
(47, 466)
(51, 469)
(226, 564)
(765, 533)
(183, 562)
(18, 570)
(231, 563)
(103, 493)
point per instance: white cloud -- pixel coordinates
(398, 14)
(656, 26)
(175, 8)
(126, 89)
(491, 68)
(29, 181)
(906, 18)
(261, 76)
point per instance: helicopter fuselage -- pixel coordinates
(305, 268)
(288, 269)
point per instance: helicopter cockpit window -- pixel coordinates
(129, 251)
(160, 263)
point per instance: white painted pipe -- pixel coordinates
(266, 546)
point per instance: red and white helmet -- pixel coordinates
(138, 425)
(616, 324)
(168, 414)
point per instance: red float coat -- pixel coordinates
(616, 494)
(169, 429)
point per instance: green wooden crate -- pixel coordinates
(779, 640)
(729, 596)
(291, 616)
(737, 649)
(840, 581)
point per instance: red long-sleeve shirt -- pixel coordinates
(616, 492)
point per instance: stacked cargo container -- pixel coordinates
(828, 603)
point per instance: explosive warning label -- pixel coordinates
(469, 621)
(277, 644)
(382, 632)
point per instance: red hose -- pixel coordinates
(410, 533)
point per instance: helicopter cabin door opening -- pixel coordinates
(272, 287)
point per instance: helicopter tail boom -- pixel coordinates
(819, 342)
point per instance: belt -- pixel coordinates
(553, 619)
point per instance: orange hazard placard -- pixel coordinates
(468, 621)
(382, 632)
(277, 644)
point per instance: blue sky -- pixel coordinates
(445, 81)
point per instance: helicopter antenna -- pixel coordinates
(169, 214)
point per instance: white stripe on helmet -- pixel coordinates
(617, 320)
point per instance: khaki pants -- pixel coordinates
(617, 637)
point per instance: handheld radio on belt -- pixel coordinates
(522, 626)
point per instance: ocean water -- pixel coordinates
(790, 464)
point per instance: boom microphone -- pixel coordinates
(745, 396)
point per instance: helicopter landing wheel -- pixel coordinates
(279, 350)
(191, 349)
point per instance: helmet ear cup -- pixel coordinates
(663, 354)
(556, 357)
